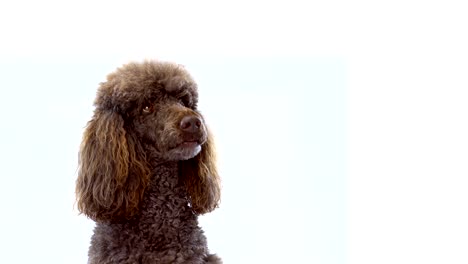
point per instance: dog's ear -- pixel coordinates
(201, 178)
(111, 175)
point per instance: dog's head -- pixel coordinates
(152, 105)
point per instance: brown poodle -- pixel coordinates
(147, 168)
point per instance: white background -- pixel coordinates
(405, 139)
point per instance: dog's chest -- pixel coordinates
(165, 219)
(165, 211)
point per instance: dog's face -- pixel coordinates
(171, 124)
(144, 111)
(159, 105)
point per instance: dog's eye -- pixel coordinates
(149, 108)
(185, 101)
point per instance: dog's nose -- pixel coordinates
(190, 124)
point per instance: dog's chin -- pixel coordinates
(184, 151)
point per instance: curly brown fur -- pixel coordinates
(147, 168)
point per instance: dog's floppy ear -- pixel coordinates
(201, 178)
(111, 176)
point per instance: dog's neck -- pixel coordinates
(164, 188)
(164, 176)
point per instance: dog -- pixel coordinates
(147, 168)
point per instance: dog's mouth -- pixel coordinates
(185, 149)
(189, 144)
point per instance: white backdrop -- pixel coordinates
(341, 126)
